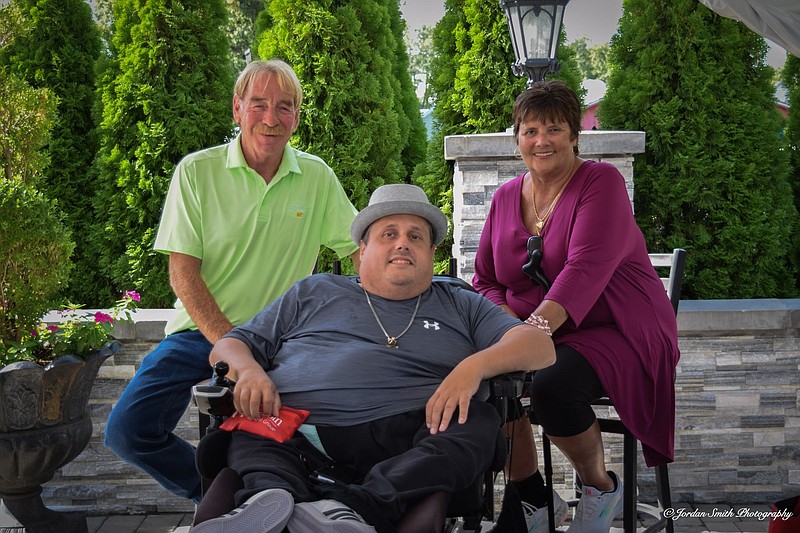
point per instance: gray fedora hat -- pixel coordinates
(399, 199)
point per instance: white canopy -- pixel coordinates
(777, 20)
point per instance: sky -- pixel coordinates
(594, 19)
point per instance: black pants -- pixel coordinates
(400, 460)
(561, 394)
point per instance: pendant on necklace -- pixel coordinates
(391, 342)
(539, 224)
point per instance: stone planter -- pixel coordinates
(44, 424)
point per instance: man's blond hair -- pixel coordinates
(273, 69)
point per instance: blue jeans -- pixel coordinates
(141, 425)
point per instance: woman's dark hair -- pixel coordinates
(548, 101)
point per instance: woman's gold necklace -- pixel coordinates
(391, 342)
(540, 220)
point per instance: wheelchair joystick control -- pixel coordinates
(216, 398)
(221, 370)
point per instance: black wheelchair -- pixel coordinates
(466, 510)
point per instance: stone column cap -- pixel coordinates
(501, 145)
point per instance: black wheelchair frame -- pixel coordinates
(473, 505)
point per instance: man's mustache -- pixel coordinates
(267, 130)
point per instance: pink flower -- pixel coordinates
(34, 333)
(102, 317)
(52, 328)
(133, 295)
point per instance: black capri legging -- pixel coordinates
(561, 393)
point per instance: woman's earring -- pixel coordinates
(575, 149)
(517, 154)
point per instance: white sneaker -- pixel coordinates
(596, 509)
(327, 516)
(536, 518)
(265, 512)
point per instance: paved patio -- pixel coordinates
(704, 518)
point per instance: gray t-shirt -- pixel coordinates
(326, 353)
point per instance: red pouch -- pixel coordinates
(785, 516)
(279, 428)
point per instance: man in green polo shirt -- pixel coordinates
(241, 223)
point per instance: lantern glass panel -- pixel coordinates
(539, 25)
(514, 16)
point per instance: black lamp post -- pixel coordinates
(535, 26)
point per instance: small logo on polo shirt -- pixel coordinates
(297, 210)
(429, 325)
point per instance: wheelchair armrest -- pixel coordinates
(504, 393)
(214, 400)
(508, 385)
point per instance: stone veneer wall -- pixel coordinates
(737, 431)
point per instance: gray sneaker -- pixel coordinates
(327, 516)
(536, 518)
(265, 512)
(596, 509)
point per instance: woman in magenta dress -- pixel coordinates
(611, 320)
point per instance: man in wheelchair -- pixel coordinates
(386, 367)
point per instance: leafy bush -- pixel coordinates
(35, 248)
(165, 92)
(698, 85)
(57, 50)
(360, 113)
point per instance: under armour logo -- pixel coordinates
(429, 325)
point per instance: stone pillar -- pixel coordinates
(485, 162)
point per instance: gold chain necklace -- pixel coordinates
(391, 342)
(540, 220)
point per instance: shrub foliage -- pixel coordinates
(360, 113)
(791, 80)
(58, 51)
(713, 178)
(165, 92)
(35, 247)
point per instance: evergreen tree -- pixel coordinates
(59, 52)
(242, 16)
(474, 89)
(359, 113)
(435, 175)
(713, 178)
(165, 92)
(484, 88)
(420, 57)
(240, 34)
(592, 61)
(411, 126)
(791, 80)
(35, 245)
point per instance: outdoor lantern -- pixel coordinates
(535, 26)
